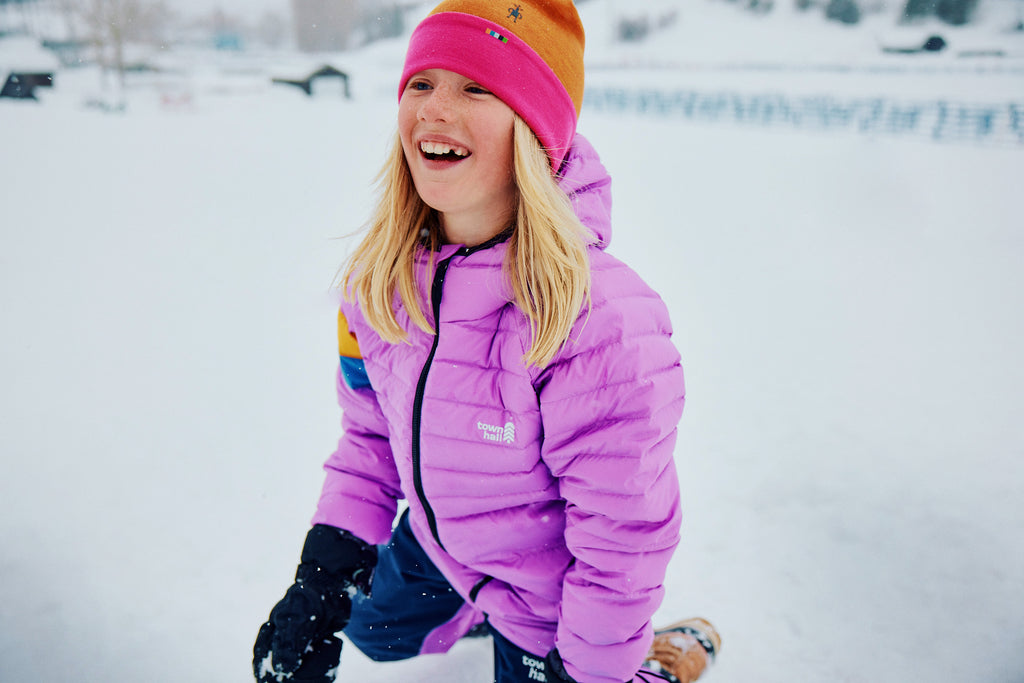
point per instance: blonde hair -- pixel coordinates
(546, 262)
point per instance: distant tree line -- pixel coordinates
(956, 12)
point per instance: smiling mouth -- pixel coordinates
(443, 151)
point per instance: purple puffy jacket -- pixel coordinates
(548, 498)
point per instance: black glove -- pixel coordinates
(557, 669)
(297, 643)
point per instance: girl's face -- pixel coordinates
(457, 139)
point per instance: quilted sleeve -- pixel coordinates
(610, 407)
(361, 488)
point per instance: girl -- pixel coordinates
(504, 375)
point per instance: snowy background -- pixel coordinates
(849, 306)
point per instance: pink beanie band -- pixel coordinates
(504, 64)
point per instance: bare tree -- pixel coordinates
(69, 10)
(110, 24)
(272, 29)
(107, 23)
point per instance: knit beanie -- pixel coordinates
(529, 54)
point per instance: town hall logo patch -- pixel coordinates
(537, 669)
(506, 434)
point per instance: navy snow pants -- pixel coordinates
(413, 610)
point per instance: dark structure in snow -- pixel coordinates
(23, 85)
(932, 44)
(306, 84)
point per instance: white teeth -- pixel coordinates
(428, 147)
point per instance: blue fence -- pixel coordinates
(939, 119)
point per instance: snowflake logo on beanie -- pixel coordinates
(515, 13)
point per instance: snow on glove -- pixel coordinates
(297, 643)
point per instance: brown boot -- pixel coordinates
(683, 650)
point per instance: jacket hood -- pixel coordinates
(589, 187)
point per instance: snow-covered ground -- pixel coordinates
(850, 310)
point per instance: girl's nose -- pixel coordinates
(439, 106)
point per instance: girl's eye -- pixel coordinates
(477, 90)
(419, 85)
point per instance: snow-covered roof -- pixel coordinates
(25, 54)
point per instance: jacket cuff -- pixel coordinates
(557, 667)
(337, 551)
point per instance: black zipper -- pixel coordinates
(436, 290)
(476, 587)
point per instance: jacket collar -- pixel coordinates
(475, 284)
